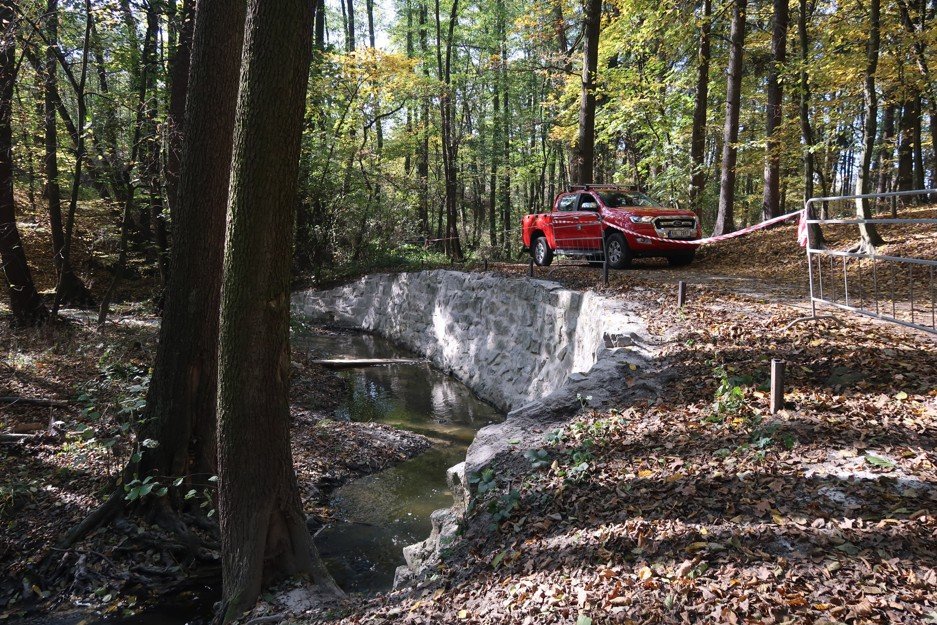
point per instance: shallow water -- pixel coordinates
(386, 511)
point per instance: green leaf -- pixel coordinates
(498, 559)
(149, 443)
(879, 462)
(213, 478)
(178, 481)
(583, 620)
(192, 493)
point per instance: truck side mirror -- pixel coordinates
(590, 206)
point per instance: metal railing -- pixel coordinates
(577, 241)
(898, 289)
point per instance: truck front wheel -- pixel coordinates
(619, 254)
(543, 255)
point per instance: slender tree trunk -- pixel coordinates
(886, 149)
(447, 120)
(80, 155)
(868, 232)
(349, 24)
(25, 303)
(725, 219)
(74, 290)
(698, 139)
(774, 118)
(584, 153)
(806, 131)
(918, 148)
(422, 166)
(263, 529)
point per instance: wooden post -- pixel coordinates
(777, 385)
(486, 264)
(530, 271)
(681, 294)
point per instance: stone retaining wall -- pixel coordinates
(528, 346)
(510, 340)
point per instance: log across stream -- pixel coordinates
(383, 512)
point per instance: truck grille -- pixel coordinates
(662, 223)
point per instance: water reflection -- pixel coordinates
(388, 510)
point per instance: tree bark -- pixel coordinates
(774, 117)
(178, 88)
(263, 529)
(584, 153)
(698, 139)
(182, 394)
(868, 232)
(806, 131)
(74, 290)
(25, 303)
(725, 219)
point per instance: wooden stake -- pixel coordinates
(681, 294)
(777, 385)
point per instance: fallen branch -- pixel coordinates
(350, 363)
(272, 618)
(35, 401)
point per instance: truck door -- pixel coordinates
(589, 223)
(565, 220)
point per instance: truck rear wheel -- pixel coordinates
(543, 255)
(619, 254)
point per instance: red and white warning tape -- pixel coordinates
(801, 237)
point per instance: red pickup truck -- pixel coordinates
(626, 219)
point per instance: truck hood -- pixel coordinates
(619, 216)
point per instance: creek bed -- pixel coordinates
(383, 512)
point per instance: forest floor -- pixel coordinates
(702, 506)
(698, 507)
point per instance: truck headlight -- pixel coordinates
(640, 219)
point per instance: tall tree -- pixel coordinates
(774, 112)
(25, 303)
(263, 529)
(74, 290)
(725, 219)
(868, 232)
(182, 393)
(806, 130)
(698, 139)
(450, 146)
(584, 152)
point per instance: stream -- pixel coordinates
(384, 512)
(378, 515)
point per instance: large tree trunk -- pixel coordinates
(774, 117)
(178, 87)
(25, 303)
(725, 219)
(698, 139)
(584, 153)
(263, 529)
(868, 232)
(74, 290)
(182, 393)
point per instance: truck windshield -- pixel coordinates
(619, 199)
